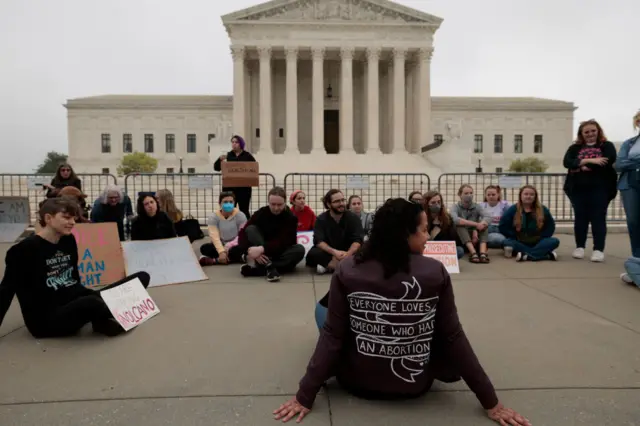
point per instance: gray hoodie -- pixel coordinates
(473, 212)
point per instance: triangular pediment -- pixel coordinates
(333, 10)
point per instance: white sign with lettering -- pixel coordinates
(130, 304)
(14, 218)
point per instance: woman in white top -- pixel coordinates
(495, 207)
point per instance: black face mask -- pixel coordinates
(435, 208)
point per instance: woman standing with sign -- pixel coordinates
(392, 327)
(237, 153)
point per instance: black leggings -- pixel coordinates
(67, 320)
(590, 207)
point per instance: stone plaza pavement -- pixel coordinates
(560, 340)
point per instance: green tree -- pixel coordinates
(528, 165)
(138, 162)
(51, 162)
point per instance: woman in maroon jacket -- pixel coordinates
(392, 311)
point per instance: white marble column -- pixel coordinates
(317, 102)
(398, 99)
(373, 100)
(346, 99)
(424, 109)
(291, 136)
(266, 131)
(239, 123)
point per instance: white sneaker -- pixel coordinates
(321, 269)
(597, 256)
(578, 253)
(508, 252)
(626, 278)
(521, 257)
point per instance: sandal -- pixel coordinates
(474, 258)
(484, 258)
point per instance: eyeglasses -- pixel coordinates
(340, 201)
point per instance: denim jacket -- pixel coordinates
(624, 164)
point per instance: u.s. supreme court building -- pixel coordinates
(324, 86)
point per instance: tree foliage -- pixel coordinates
(528, 165)
(51, 162)
(137, 162)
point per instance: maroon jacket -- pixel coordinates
(380, 334)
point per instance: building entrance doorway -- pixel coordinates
(332, 131)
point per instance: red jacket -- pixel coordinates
(306, 218)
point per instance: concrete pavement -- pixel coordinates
(560, 341)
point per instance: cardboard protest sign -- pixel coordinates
(239, 174)
(168, 261)
(15, 217)
(305, 238)
(100, 259)
(445, 252)
(130, 304)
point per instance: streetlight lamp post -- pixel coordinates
(181, 172)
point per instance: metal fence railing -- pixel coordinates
(374, 188)
(194, 194)
(30, 185)
(549, 186)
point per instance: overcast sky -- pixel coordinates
(52, 50)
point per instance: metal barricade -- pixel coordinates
(30, 185)
(549, 186)
(195, 194)
(374, 188)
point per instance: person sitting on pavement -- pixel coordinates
(224, 226)
(529, 227)
(495, 207)
(338, 233)
(42, 270)
(472, 225)
(268, 244)
(167, 204)
(368, 341)
(112, 206)
(80, 198)
(354, 205)
(306, 216)
(439, 222)
(151, 222)
(416, 197)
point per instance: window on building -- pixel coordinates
(170, 143)
(498, 169)
(170, 170)
(105, 170)
(127, 143)
(148, 142)
(497, 144)
(257, 132)
(281, 132)
(537, 144)
(191, 170)
(438, 139)
(191, 143)
(106, 143)
(477, 144)
(210, 136)
(517, 144)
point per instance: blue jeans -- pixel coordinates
(460, 252)
(590, 207)
(632, 266)
(631, 203)
(540, 251)
(495, 239)
(321, 315)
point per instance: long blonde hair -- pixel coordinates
(168, 205)
(537, 210)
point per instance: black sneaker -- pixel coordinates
(272, 274)
(553, 256)
(248, 271)
(108, 327)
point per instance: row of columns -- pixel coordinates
(397, 89)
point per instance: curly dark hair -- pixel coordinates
(388, 244)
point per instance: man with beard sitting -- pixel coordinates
(338, 233)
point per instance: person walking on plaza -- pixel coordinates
(590, 185)
(369, 341)
(268, 244)
(237, 153)
(628, 165)
(42, 270)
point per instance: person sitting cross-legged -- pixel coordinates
(268, 243)
(224, 226)
(42, 270)
(528, 227)
(337, 234)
